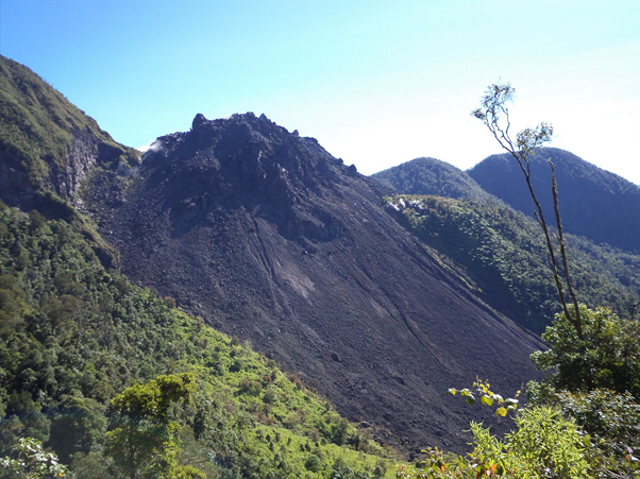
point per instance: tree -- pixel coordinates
(606, 357)
(144, 443)
(594, 355)
(495, 115)
(77, 426)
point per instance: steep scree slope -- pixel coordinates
(268, 237)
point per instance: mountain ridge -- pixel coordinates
(46, 143)
(593, 202)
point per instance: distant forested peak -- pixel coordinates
(594, 203)
(430, 176)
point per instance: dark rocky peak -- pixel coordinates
(268, 237)
(245, 137)
(198, 121)
(250, 162)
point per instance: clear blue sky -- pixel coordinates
(376, 82)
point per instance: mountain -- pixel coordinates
(429, 176)
(594, 203)
(264, 235)
(74, 332)
(268, 237)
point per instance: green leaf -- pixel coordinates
(471, 400)
(486, 400)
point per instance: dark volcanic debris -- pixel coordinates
(268, 237)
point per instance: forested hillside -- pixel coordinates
(504, 254)
(73, 335)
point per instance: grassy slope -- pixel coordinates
(72, 335)
(37, 123)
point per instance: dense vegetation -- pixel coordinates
(73, 336)
(581, 421)
(428, 176)
(504, 255)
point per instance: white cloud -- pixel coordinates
(154, 146)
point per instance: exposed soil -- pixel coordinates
(268, 237)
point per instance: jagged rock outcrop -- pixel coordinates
(268, 237)
(85, 152)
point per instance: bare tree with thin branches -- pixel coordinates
(495, 115)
